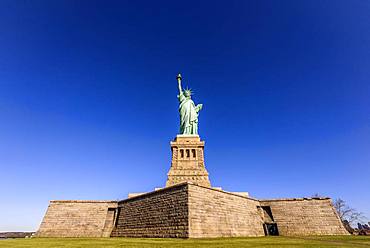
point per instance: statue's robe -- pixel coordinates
(188, 115)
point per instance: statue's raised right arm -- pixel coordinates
(179, 83)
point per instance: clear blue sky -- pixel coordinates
(88, 98)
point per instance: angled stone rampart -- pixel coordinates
(305, 216)
(161, 214)
(78, 219)
(216, 213)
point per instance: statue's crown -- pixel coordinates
(188, 91)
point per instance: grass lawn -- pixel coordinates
(322, 241)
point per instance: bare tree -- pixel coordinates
(346, 213)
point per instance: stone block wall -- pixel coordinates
(78, 219)
(189, 210)
(162, 214)
(305, 216)
(215, 213)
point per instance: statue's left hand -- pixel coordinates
(199, 107)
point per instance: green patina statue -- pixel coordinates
(188, 111)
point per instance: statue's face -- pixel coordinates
(187, 94)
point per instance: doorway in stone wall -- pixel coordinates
(271, 229)
(269, 226)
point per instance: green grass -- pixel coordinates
(320, 241)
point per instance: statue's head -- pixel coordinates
(187, 93)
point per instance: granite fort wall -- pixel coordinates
(215, 213)
(305, 216)
(188, 210)
(78, 219)
(161, 213)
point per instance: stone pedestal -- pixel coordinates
(188, 161)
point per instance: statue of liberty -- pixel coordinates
(188, 110)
